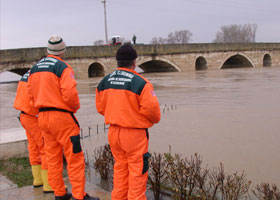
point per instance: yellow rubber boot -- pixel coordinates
(46, 188)
(36, 172)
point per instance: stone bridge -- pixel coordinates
(91, 61)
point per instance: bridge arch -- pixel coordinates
(267, 60)
(96, 69)
(19, 68)
(19, 71)
(158, 64)
(237, 61)
(200, 63)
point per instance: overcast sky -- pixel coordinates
(30, 23)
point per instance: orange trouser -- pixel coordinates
(35, 140)
(129, 147)
(61, 135)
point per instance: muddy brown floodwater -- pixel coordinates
(230, 116)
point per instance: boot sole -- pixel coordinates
(36, 186)
(48, 192)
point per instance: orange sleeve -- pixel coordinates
(98, 102)
(29, 92)
(149, 106)
(68, 89)
(22, 101)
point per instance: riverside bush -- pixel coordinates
(103, 161)
(158, 175)
(184, 178)
(264, 191)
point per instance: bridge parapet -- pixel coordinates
(89, 61)
(72, 52)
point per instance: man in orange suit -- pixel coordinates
(53, 91)
(29, 120)
(129, 104)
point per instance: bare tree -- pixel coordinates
(159, 40)
(98, 42)
(236, 34)
(177, 37)
(154, 41)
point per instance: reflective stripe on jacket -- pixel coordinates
(22, 100)
(52, 84)
(127, 99)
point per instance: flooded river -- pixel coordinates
(230, 116)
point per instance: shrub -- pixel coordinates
(158, 175)
(103, 161)
(264, 191)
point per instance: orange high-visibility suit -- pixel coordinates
(52, 89)
(29, 121)
(129, 104)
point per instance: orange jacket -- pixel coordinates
(127, 99)
(52, 84)
(22, 101)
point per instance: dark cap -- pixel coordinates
(126, 52)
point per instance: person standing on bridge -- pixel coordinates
(129, 104)
(134, 39)
(53, 91)
(29, 121)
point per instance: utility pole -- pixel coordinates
(105, 20)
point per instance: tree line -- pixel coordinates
(234, 33)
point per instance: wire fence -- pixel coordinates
(101, 128)
(94, 129)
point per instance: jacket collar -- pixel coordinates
(56, 57)
(126, 69)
